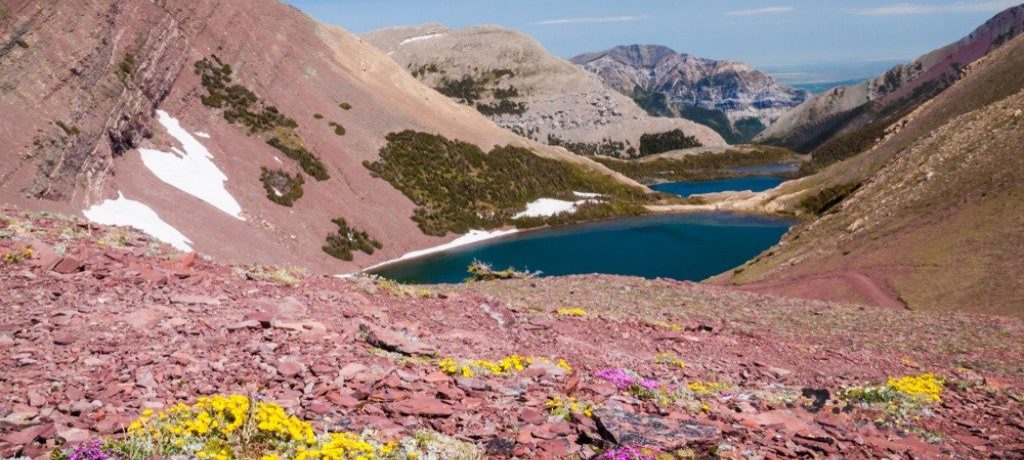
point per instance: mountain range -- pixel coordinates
(845, 120)
(732, 97)
(513, 80)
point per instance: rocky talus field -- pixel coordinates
(100, 325)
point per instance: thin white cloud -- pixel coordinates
(760, 11)
(551, 22)
(918, 8)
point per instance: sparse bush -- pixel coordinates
(282, 188)
(243, 107)
(309, 163)
(126, 68)
(69, 130)
(676, 139)
(606, 147)
(702, 166)
(318, 116)
(345, 106)
(21, 43)
(502, 107)
(479, 271)
(341, 243)
(338, 129)
(826, 199)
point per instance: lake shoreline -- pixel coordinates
(718, 219)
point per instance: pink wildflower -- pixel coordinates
(649, 384)
(617, 376)
(630, 452)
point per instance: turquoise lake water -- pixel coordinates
(682, 246)
(752, 183)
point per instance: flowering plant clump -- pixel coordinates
(18, 256)
(233, 427)
(625, 379)
(670, 360)
(92, 450)
(629, 452)
(926, 387)
(571, 312)
(508, 365)
(707, 387)
(564, 408)
(899, 398)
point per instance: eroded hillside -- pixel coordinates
(221, 126)
(930, 218)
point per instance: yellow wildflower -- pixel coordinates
(571, 312)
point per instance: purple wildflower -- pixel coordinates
(617, 376)
(630, 452)
(649, 384)
(92, 450)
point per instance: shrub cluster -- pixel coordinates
(653, 143)
(459, 187)
(606, 147)
(702, 166)
(292, 147)
(243, 107)
(470, 90)
(826, 199)
(341, 243)
(479, 271)
(282, 188)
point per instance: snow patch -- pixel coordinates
(131, 213)
(587, 194)
(202, 135)
(545, 207)
(192, 171)
(416, 39)
(474, 236)
(278, 160)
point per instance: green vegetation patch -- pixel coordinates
(282, 188)
(243, 107)
(69, 130)
(827, 199)
(126, 68)
(702, 166)
(459, 187)
(606, 147)
(347, 239)
(473, 89)
(676, 139)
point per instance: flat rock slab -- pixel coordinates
(621, 428)
(390, 340)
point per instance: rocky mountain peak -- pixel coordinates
(729, 96)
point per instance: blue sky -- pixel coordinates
(770, 34)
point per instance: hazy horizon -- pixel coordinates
(778, 36)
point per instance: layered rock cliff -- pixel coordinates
(669, 83)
